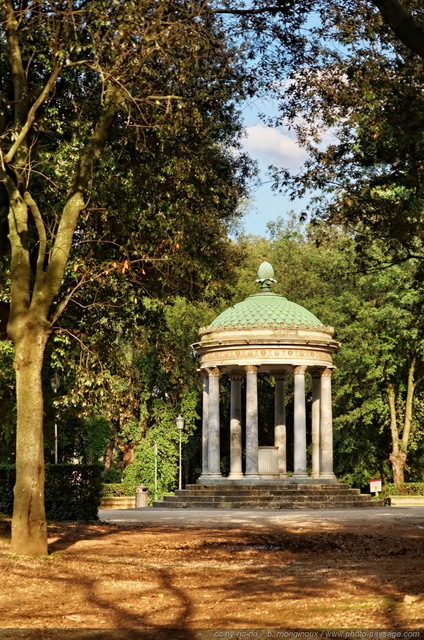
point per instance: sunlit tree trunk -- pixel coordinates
(109, 453)
(400, 443)
(29, 326)
(29, 531)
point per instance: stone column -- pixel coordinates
(251, 422)
(326, 430)
(214, 454)
(299, 424)
(235, 426)
(205, 423)
(316, 419)
(280, 422)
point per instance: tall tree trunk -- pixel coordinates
(397, 457)
(34, 290)
(128, 453)
(400, 445)
(398, 461)
(109, 452)
(29, 529)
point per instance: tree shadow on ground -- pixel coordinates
(166, 578)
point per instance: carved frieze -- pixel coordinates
(277, 356)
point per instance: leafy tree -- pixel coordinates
(355, 104)
(84, 88)
(377, 318)
(381, 366)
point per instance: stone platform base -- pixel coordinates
(269, 496)
(407, 501)
(117, 502)
(265, 481)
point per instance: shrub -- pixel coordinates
(113, 489)
(112, 475)
(72, 491)
(405, 489)
(7, 481)
(141, 471)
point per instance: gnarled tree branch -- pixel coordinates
(402, 23)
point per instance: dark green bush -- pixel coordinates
(72, 491)
(7, 481)
(113, 489)
(405, 489)
(112, 475)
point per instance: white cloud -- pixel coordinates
(273, 147)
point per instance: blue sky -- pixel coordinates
(268, 145)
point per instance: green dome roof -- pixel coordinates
(266, 309)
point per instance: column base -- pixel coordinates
(283, 476)
(209, 476)
(300, 474)
(329, 477)
(236, 475)
(252, 476)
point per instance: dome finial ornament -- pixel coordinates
(265, 276)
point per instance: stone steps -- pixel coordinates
(272, 507)
(278, 486)
(268, 497)
(255, 490)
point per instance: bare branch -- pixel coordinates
(41, 230)
(62, 305)
(75, 201)
(31, 115)
(69, 333)
(18, 236)
(408, 407)
(15, 59)
(274, 10)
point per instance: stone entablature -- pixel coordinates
(266, 358)
(266, 347)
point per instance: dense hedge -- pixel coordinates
(405, 489)
(72, 491)
(116, 489)
(7, 481)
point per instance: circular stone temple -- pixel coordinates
(266, 333)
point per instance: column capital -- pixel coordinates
(279, 376)
(327, 372)
(251, 368)
(236, 376)
(300, 370)
(213, 371)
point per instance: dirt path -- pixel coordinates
(289, 576)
